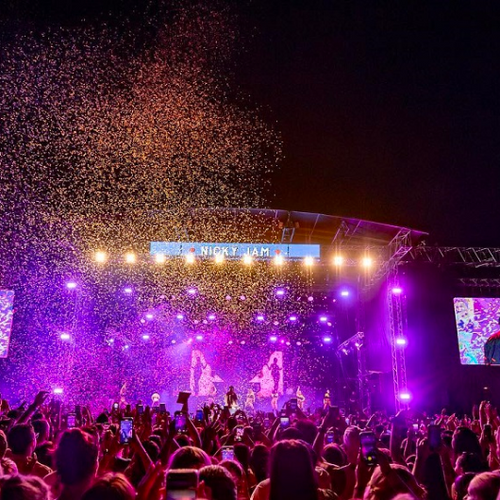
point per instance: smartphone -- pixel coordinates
(78, 411)
(415, 427)
(239, 433)
(292, 404)
(115, 406)
(368, 447)
(257, 428)
(329, 437)
(126, 430)
(434, 436)
(284, 422)
(181, 484)
(139, 409)
(71, 421)
(180, 420)
(199, 416)
(162, 408)
(128, 409)
(348, 421)
(227, 453)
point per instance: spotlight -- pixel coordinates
(404, 396)
(273, 338)
(128, 290)
(65, 336)
(278, 260)
(288, 343)
(100, 257)
(219, 258)
(126, 347)
(212, 317)
(160, 258)
(293, 318)
(230, 342)
(345, 351)
(130, 258)
(401, 341)
(149, 316)
(338, 260)
(173, 341)
(145, 337)
(323, 319)
(308, 261)
(199, 337)
(367, 262)
(397, 290)
(310, 299)
(190, 258)
(344, 293)
(282, 341)
(58, 390)
(71, 285)
(192, 291)
(180, 316)
(247, 259)
(242, 342)
(327, 340)
(299, 343)
(280, 292)
(260, 317)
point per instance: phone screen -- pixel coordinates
(182, 484)
(284, 422)
(434, 436)
(199, 416)
(329, 437)
(239, 433)
(71, 421)
(126, 430)
(293, 404)
(140, 409)
(163, 408)
(180, 422)
(227, 453)
(369, 447)
(415, 427)
(115, 406)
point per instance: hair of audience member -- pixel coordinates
(242, 455)
(152, 449)
(484, 486)
(461, 485)
(110, 486)
(465, 440)
(183, 440)
(382, 487)
(3, 444)
(291, 433)
(22, 439)
(102, 418)
(76, 457)
(42, 428)
(189, 457)
(259, 462)
(308, 430)
(292, 475)
(23, 488)
(154, 438)
(470, 462)
(220, 482)
(234, 468)
(334, 454)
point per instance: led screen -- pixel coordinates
(6, 313)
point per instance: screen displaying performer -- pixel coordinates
(478, 330)
(202, 378)
(270, 378)
(6, 314)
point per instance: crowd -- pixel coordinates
(139, 452)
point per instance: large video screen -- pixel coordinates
(477, 326)
(6, 313)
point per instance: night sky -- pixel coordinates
(388, 111)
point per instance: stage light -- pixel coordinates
(327, 340)
(344, 293)
(173, 341)
(128, 290)
(126, 347)
(323, 319)
(278, 260)
(190, 341)
(71, 285)
(280, 292)
(288, 343)
(230, 342)
(367, 262)
(149, 316)
(247, 259)
(219, 258)
(357, 345)
(293, 318)
(401, 341)
(308, 261)
(310, 299)
(345, 351)
(58, 390)
(100, 257)
(65, 336)
(160, 258)
(199, 337)
(338, 260)
(180, 316)
(212, 317)
(130, 258)
(190, 258)
(397, 290)
(192, 291)
(273, 338)
(282, 341)
(404, 396)
(276, 323)
(299, 343)
(242, 342)
(260, 317)
(145, 337)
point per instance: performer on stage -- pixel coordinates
(231, 398)
(275, 370)
(327, 400)
(300, 399)
(250, 401)
(274, 402)
(492, 349)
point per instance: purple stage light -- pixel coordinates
(260, 317)
(279, 292)
(327, 340)
(230, 342)
(299, 343)
(71, 285)
(149, 316)
(145, 337)
(310, 298)
(192, 291)
(282, 341)
(65, 336)
(323, 319)
(273, 338)
(58, 390)
(180, 316)
(345, 351)
(404, 396)
(397, 290)
(242, 342)
(401, 341)
(344, 293)
(128, 290)
(173, 341)
(126, 347)
(199, 337)
(287, 343)
(293, 318)
(212, 317)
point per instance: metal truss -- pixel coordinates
(468, 256)
(480, 282)
(397, 321)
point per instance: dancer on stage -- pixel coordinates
(274, 402)
(250, 401)
(300, 399)
(231, 398)
(327, 402)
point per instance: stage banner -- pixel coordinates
(6, 314)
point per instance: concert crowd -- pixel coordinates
(49, 450)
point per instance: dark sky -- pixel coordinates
(389, 111)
